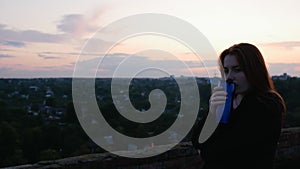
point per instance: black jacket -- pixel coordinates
(250, 138)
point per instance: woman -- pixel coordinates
(249, 139)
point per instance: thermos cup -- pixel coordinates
(223, 111)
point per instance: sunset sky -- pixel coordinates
(45, 38)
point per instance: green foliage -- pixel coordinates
(290, 91)
(8, 141)
(32, 143)
(49, 154)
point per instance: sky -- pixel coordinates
(53, 38)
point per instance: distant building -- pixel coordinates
(109, 139)
(215, 80)
(59, 111)
(33, 88)
(49, 93)
(284, 76)
(132, 147)
(203, 80)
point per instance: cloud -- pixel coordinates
(12, 43)
(84, 25)
(1, 49)
(6, 56)
(79, 25)
(20, 36)
(284, 44)
(48, 56)
(72, 54)
(70, 26)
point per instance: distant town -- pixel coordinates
(38, 119)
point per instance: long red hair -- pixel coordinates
(253, 65)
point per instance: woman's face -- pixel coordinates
(233, 72)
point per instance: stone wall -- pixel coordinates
(288, 152)
(183, 156)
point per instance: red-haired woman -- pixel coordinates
(249, 139)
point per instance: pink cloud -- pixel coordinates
(78, 25)
(11, 37)
(283, 44)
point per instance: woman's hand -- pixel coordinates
(217, 98)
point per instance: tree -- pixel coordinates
(8, 140)
(32, 143)
(70, 115)
(51, 136)
(49, 154)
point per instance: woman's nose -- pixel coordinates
(229, 76)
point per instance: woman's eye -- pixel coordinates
(237, 70)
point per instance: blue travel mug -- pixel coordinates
(228, 104)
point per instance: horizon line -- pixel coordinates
(159, 77)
